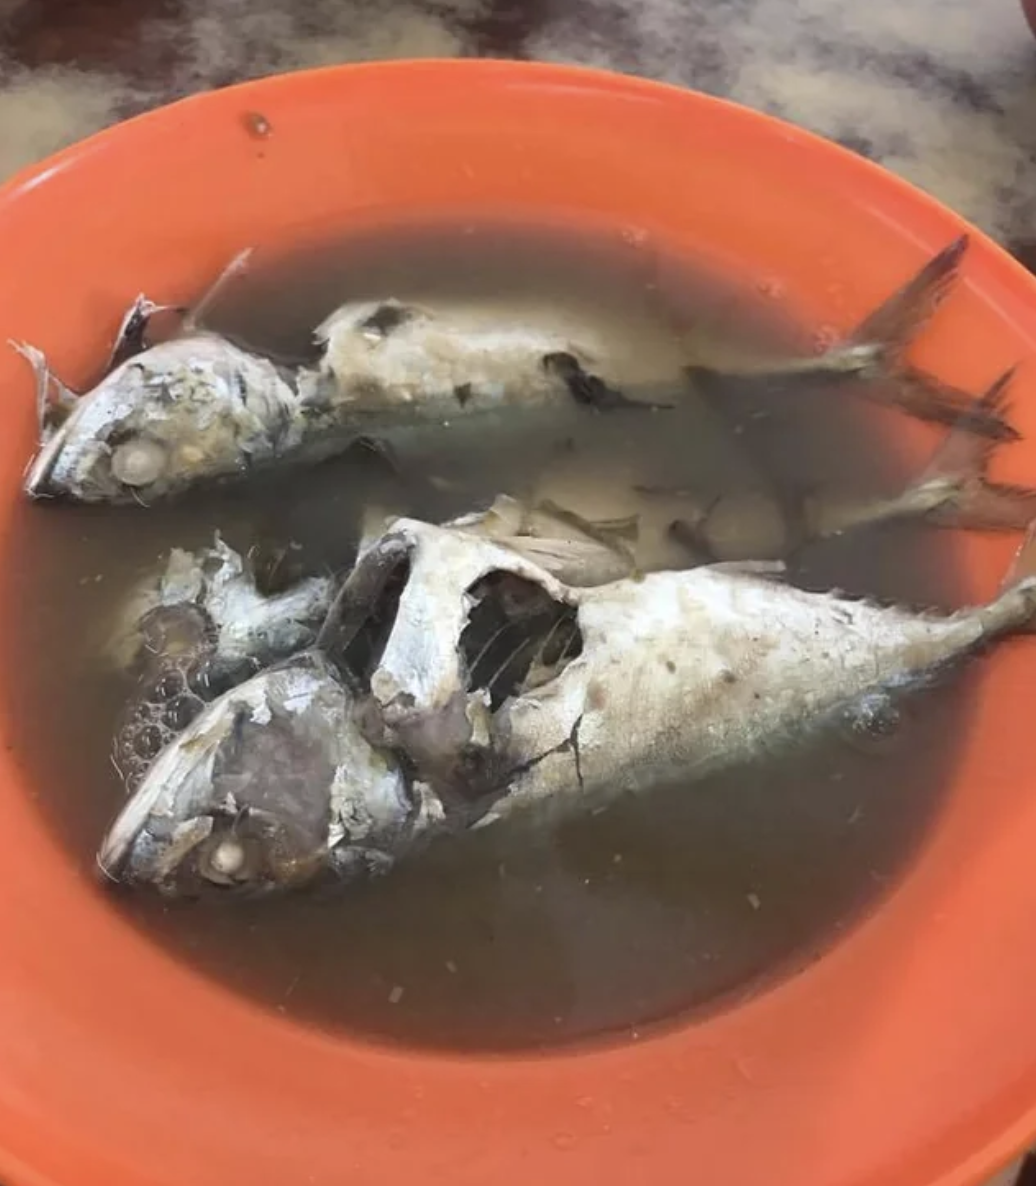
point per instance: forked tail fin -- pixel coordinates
(874, 353)
(955, 485)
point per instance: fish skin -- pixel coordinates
(199, 409)
(680, 674)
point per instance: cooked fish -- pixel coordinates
(199, 408)
(872, 356)
(191, 631)
(347, 758)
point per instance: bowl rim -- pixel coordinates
(1014, 1136)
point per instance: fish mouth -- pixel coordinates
(169, 800)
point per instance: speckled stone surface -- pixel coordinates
(941, 91)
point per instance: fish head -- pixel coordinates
(183, 412)
(438, 627)
(271, 788)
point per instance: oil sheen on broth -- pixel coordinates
(646, 913)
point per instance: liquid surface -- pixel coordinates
(653, 910)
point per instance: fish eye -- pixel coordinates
(228, 859)
(138, 462)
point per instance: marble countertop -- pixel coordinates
(941, 91)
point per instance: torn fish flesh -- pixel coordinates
(198, 408)
(194, 629)
(872, 357)
(457, 684)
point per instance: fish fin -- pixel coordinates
(581, 562)
(611, 533)
(375, 520)
(651, 491)
(770, 570)
(900, 318)
(505, 516)
(54, 401)
(131, 336)
(926, 397)
(954, 489)
(891, 329)
(193, 316)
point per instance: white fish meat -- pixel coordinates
(400, 727)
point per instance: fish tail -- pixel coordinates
(882, 339)
(897, 321)
(926, 397)
(955, 490)
(874, 355)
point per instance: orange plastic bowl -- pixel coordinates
(905, 1057)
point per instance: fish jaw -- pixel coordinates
(271, 788)
(183, 413)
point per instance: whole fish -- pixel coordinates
(397, 729)
(193, 630)
(872, 357)
(198, 408)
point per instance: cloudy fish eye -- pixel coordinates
(138, 462)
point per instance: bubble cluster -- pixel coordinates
(166, 701)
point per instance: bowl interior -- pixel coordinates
(907, 1055)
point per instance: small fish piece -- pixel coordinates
(872, 356)
(953, 491)
(346, 760)
(218, 582)
(192, 631)
(198, 408)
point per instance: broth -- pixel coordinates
(655, 909)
